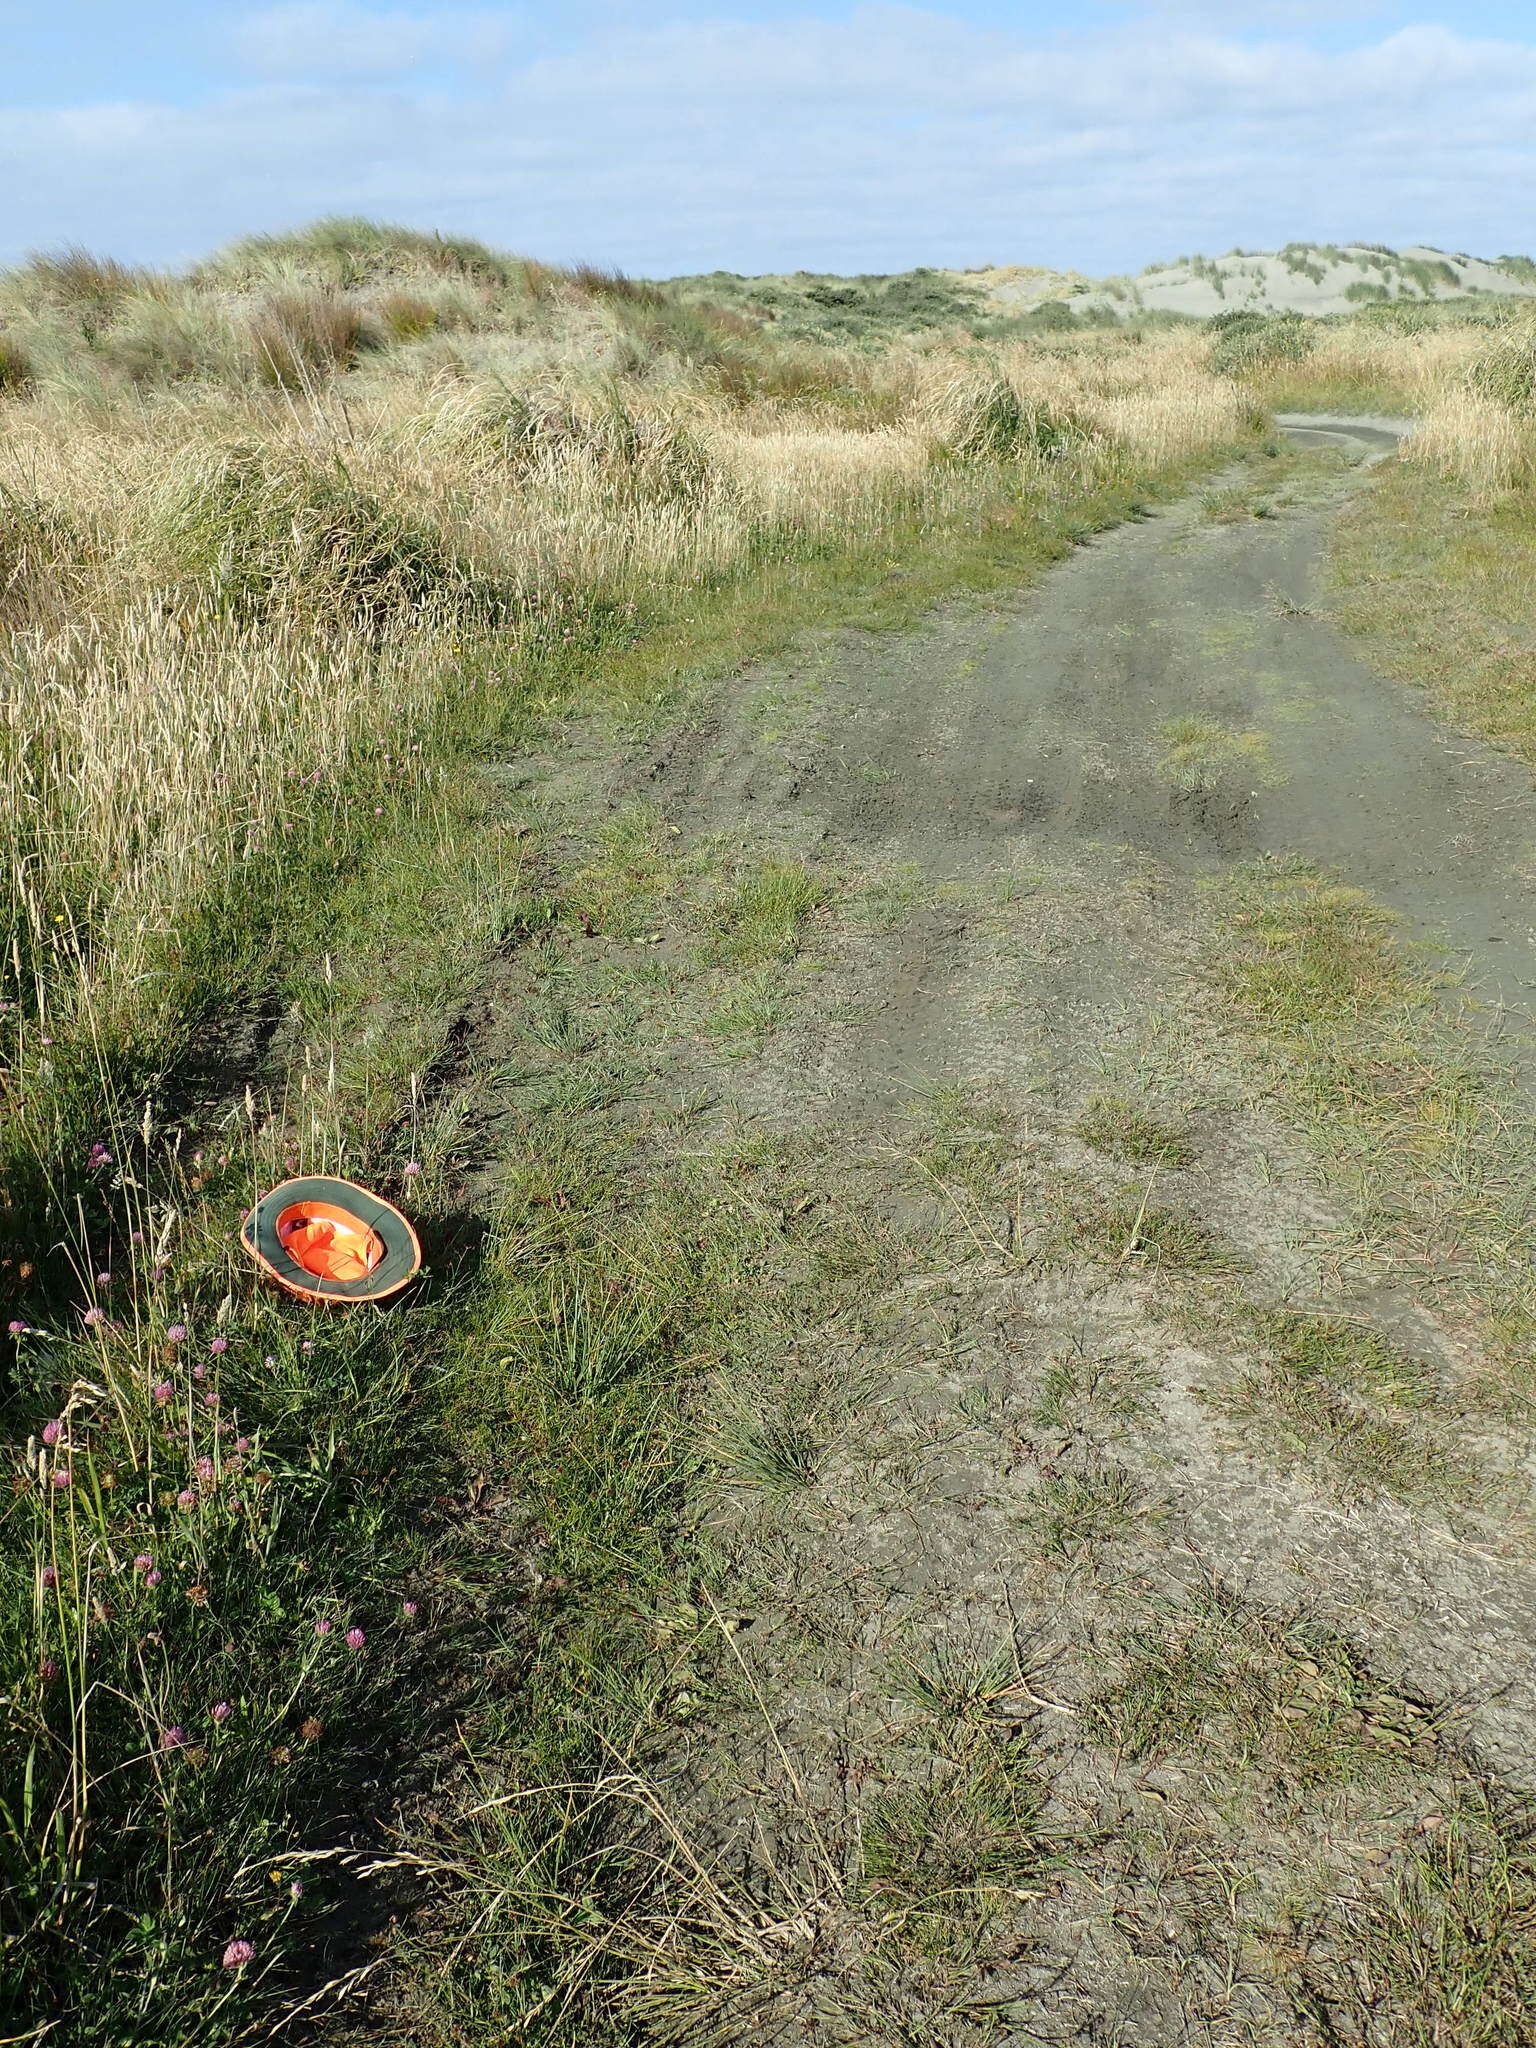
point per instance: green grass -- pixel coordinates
(1126, 1130)
(940, 1856)
(1265, 1689)
(1439, 585)
(1443, 1955)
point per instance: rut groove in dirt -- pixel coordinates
(1050, 725)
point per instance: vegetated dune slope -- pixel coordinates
(1303, 277)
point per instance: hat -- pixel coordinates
(330, 1240)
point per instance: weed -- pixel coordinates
(944, 1852)
(1443, 1955)
(1123, 1130)
(1072, 1512)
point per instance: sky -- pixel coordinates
(764, 135)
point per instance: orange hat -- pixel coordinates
(330, 1240)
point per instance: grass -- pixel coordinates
(240, 778)
(1267, 1688)
(1444, 1954)
(291, 550)
(1126, 1130)
(1436, 579)
(939, 1855)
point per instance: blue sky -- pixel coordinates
(763, 135)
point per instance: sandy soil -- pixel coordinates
(1024, 1481)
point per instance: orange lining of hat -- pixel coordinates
(328, 1242)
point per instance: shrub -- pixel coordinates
(15, 365)
(261, 533)
(1506, 372)
(302, 336)
(1243, 342)
(983, 416)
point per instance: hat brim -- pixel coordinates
(400, 1264)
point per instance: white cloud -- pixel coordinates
(892, 136)
(334, 39)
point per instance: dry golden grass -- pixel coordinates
(219, 595)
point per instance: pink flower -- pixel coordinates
(199, 1372)
(143, 1562)
(242, 1444)
(355, 1639)
(93, 1316)
(412, 1168)
(204, 1468)
(307, 1346)
(103, 1279)
(409, 1609)
(100, 1156)
(16, 1328)
(176, 1334)
(153, 1578)
(322, 1628)
(186, 1498)
(61, 1478)
(173, 1737)
(219, 1344)
(296, 1890)
(52, 1431)
(50, 1575)
(222, 1712)
(210, 1399)
(238, 1954)
(48, 1670)
(163, 1391)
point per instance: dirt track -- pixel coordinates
(1028, 1449)
(1045, 727)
